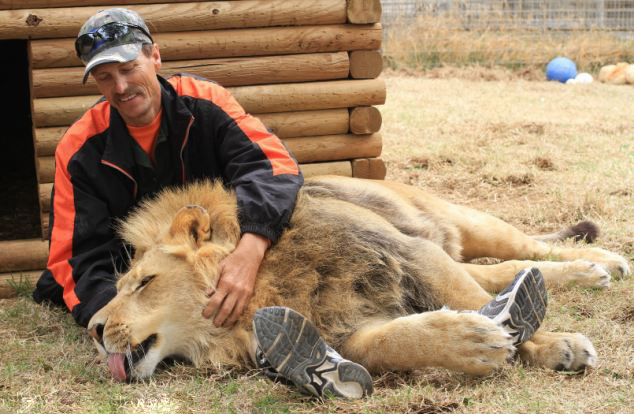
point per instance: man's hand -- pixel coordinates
(237, 280)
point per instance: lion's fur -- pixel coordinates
(357, 254)
(329, 249)
(152, 220)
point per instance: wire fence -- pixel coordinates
(512, 33)
(615, 15)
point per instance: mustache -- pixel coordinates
(127, 92)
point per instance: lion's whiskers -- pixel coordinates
(128, 357)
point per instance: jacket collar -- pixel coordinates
(119, 152)
(177, 113)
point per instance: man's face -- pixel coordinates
(132, 87)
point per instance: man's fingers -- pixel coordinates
(237, 311)
(214, 303)
(227, 307)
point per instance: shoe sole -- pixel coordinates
(521, 307)
(294, 347)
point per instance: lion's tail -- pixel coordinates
(584, 230)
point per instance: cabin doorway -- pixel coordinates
(19, 201)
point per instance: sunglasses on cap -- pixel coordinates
(116, 33)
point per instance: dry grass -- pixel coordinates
(566, 152)
(540, 155)
(430, 42)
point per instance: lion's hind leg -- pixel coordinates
(465, 342)
(484, 235)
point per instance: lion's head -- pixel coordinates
(178, 239)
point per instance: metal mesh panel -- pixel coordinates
(520, 14)
(518, 34)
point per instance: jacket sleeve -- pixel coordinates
(83, 249)
(264, 174)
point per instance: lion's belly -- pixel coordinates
(342, 266)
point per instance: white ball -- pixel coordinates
(584, 77)
(571, 81)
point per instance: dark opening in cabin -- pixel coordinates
(19, 206)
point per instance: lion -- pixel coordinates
(382, 269)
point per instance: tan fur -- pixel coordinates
(629, 74)
(614, 74)
(371, 263)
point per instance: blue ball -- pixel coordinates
(561, 69)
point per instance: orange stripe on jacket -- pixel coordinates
(279, 157)
(96, 120)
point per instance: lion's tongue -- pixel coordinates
(116, 367)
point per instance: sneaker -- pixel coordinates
(293, 348)
(267, 369)
(521, 307)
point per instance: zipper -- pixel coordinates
(124, 172)
(185, 139)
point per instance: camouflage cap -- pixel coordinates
(121, 50)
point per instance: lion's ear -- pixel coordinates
(191, 225)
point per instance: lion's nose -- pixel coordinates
(96, 331)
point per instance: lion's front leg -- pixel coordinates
(559, 351)
(616, 264)
(496, 277)
(466, 342)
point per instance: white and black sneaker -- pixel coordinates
(289, 345)
(521, 307)
(267, 369)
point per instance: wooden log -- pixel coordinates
(365, 64)
(45, 4)
(365, 120)
(9, 281)
(255, 99)
(23, 255)
(46, 139)
(310, 96)
(378, 169)
(46, 169)
(372, 168)
(66, 22)
(364, 11)
(334, 147)
(47, 112)
(44, 219)
(45, 196)
(282, 124)
(327, 168)
(49, 53)
(307, 123)
(57, 82)
(305, 149)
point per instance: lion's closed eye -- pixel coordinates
(145, 281)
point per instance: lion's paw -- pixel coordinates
(478, 345)
(616, 264)
(561, 351)
(590, 274)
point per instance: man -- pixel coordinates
(148, 133)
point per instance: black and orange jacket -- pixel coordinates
(99, 179)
